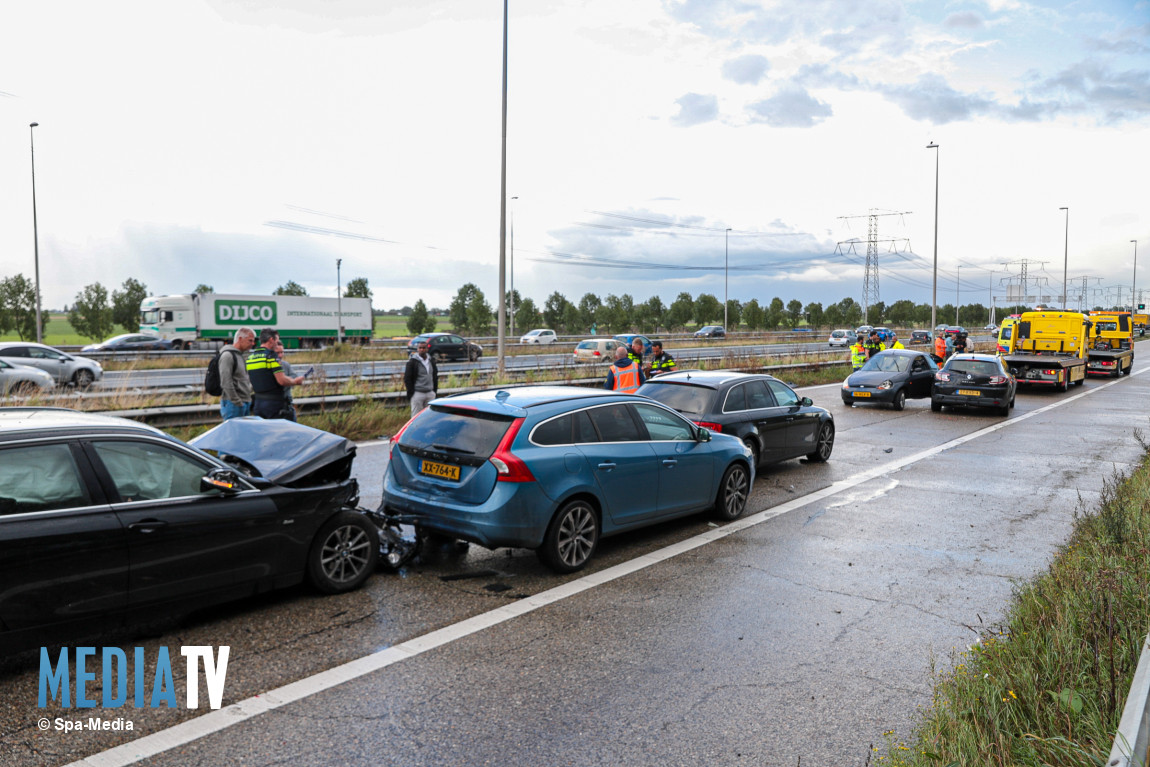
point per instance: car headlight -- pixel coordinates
(885, 385)
(847, 383)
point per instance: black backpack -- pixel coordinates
(212, 384)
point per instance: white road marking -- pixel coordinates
(220, 719)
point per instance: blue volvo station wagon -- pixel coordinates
(555, 468)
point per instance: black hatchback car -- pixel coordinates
(447, 346)
(105, 520)
(974, 380)
(771, 419)
(892, 377)
(711, 331)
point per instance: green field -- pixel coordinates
(59, 332)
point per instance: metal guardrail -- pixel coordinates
(198, 415)
(1132, 743)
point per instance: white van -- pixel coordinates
(841, 337)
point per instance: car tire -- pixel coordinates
(750, 442)
(439, 358)
(1012, 402)
(935, 407)
(824, 444)
(1004, 411)
(733, 492)
(899, 401)
(344, 553)
(1129, 367)
(571, 537)
(83, 378)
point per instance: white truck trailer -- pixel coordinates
(206, 319)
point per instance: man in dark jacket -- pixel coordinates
(269, 382)
(421, 378)
(625, 375)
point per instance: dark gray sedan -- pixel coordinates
(891, 377)
(974, 380)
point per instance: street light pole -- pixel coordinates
(512, 312)
(338, 304)
(934, 285)
(501, 324)
(1065, 258)
(957, 284)
(726, 240)
(35, 232)
(1133, 294)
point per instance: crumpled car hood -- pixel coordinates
(284, 452)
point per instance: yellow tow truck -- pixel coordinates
(1048, 348)
(1140, 322)
(1111, 351)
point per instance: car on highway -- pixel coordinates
(990, 328)
(920, 337)
(841, 338)
(954, 330)
(446, 346)
(767, 415)
(538, 336)
(974, 380)
(556, 468)
(863, 330)
(711, 331)
(130, 342)
(627, 339)
(64, 368)
(24, 380)
(891, 377)
(103, 519)
(596, 350)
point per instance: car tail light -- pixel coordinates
(942, 375)
(718, 427)
(596, 353)
(511, 468)
(997, 380)
(1052, 372)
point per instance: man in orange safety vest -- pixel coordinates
(625, 374)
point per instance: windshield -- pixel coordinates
(467, 432)
(888, 363)
(686, 398)
(150, 317)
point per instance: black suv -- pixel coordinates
(104, 518)
(774, 421)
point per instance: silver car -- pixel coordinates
(64, 368)
(22, 379)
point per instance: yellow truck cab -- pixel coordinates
(1140, 322)
(1048, 348)
(1005, 330)
(1111, 349)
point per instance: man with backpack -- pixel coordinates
(235, 386)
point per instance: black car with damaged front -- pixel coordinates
(974, 380)
(891, 377)
(106, 521)
(766, 414)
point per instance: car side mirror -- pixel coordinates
(806, 402)
(704, 435)
(224, 480)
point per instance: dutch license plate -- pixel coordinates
(969, 392)
(441, 470)
(861, 393)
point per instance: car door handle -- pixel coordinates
(148, 525)
(606, 466)
(669, 462)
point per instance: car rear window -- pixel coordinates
(974, 367)
(686, 398)
(588, 345)
(456, 430)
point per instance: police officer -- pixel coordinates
(873, 344)
(858, 353)
(635, 353)
(661, 362)
(269, 382)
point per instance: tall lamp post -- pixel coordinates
(726, 240)
(501, 323)
(957, 285)
(934, 284)
(35, 232)
(338, 304)
(1065, 259)
(512, 244)
(1133, 294)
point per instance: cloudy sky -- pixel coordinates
(244, 143)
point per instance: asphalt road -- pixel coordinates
(803, 631)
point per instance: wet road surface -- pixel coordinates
(802, 631)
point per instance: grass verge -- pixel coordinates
(1047, 687)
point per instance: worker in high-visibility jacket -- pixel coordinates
(625, 374)
(894, 343)
(940, 348)
(858, 353)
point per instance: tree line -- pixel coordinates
(471, 314)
